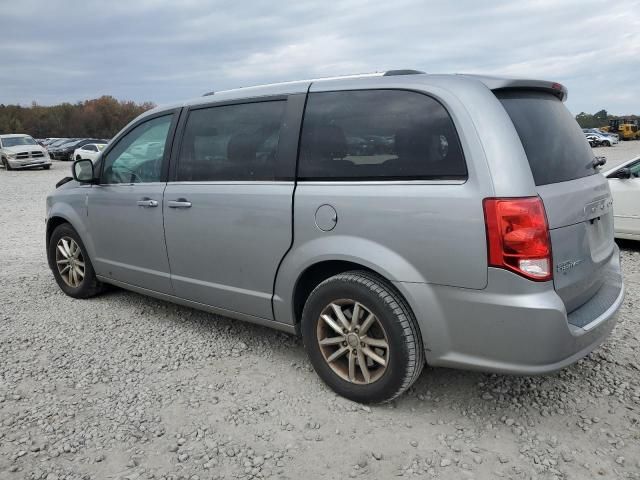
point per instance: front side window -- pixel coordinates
(138, 156)
(231, 142)
(378, 135)
(635, 169)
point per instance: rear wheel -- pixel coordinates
(71, 265)
(47, 167)
(362, 337)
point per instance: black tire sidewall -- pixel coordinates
(88, 285)
(392, 380)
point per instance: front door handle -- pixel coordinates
(180, 203)
(147, 202)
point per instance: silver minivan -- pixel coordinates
(392, 220)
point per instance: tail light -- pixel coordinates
(518, 236)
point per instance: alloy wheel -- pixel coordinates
(70, 261)
(353, 341)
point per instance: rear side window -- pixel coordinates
(378, 135)
(232, 142)
(552, 139)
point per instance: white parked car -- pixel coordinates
(624, 181)
(18, 151)
(90, 151)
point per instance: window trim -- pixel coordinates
(430, 179)
(170, 140)
(289, 132)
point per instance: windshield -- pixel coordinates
(17, 141)
(554, 144)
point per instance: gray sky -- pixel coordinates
(162, 51)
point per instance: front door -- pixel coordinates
(228, 212)
(125, 210)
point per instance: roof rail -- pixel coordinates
(391, 73)
(209, 93)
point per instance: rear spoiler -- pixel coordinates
(503, 83)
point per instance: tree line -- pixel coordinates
(97, 118)
(599, 119)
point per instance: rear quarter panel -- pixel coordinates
(408, 231)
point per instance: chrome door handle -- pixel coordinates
(180, 203)
(147, 202)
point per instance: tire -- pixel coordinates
(607, 144)
(6, 164)
(46, 167)
(89, 285)
(78, 157)
(394, 325)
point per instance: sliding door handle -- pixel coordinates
(147, 202)
(180, 203)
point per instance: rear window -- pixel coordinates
(552, 139)
(378, 135)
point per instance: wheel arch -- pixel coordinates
(67, 215)
(314, 275)
(327, 256)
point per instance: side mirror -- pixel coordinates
(83, 171)
(623, 173)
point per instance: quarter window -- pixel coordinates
(378, 134)
(138, 156)
(231, 142)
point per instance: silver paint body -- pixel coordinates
(241, 247)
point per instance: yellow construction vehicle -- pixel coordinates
(626, 129)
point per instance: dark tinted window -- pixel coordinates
(232, 142)
(378, 134)
(552, 139)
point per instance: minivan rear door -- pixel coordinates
(576, 196)
(228, 204)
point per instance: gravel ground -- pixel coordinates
(128, 387)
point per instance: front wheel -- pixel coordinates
(6, 164)
(78, 157)
(71, 265)
(607, 144)
(362, 338)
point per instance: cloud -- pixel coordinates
(165, 51)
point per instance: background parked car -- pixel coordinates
(90, 151)
(624, 182)
(611, 137)
(596, 140)
(65, 151)
(599, 131)
(592, 139)
(55, 143)
(18, 151)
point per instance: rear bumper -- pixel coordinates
(514, 325)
